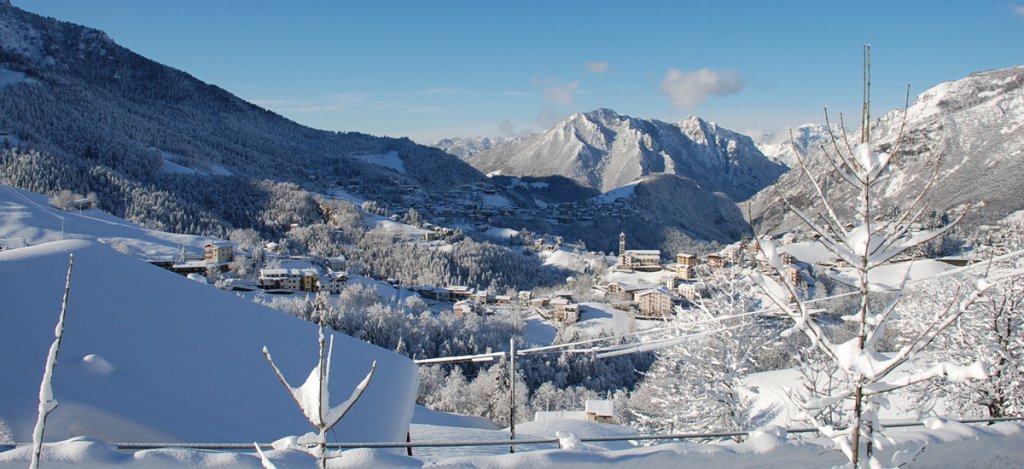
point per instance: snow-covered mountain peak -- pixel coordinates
(806, 138)
(697, 129)
(604, 150)
(695, 122)
(602, 116)
(972, 127)
(951, 96)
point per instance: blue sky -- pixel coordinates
(428, 70)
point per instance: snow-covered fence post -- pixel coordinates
(313, 397)
(46, 400)
(512, 393)
(866, 242)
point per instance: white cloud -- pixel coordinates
(562, 95)
(689, 89)
(597, 66)
(1018, 11)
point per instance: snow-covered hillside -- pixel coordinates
(99, 117)
(148, 355)
(971, 127)
(605, 150)
(28, 219)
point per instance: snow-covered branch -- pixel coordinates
(46, 401)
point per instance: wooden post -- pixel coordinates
(512, 392)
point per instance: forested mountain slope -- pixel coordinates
(161, 146)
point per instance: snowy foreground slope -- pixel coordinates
(170, 359)
(148, 355)
(949, 445)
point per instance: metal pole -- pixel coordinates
(512, 392)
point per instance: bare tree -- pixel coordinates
(64, 200)
(991, 332)
(46, 401)
(866, 241)
(314, 399)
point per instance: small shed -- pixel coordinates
(600, 410)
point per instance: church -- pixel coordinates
(635, 259)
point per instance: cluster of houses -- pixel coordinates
(304, 276)
(307, 279)
(217, 255)
(683, 284)
(440, 233)
(461, 205)
(560, 307)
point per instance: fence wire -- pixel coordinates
(505, 442)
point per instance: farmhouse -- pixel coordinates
(595, 410)
(564, 310)
(465, 307)
(600, 410)
(336, 263)
(333, 282)
(433, 293)
(84, 203)
(219, 252)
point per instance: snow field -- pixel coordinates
(149, 355)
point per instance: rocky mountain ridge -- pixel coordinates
(605, 150)
(972, 128)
